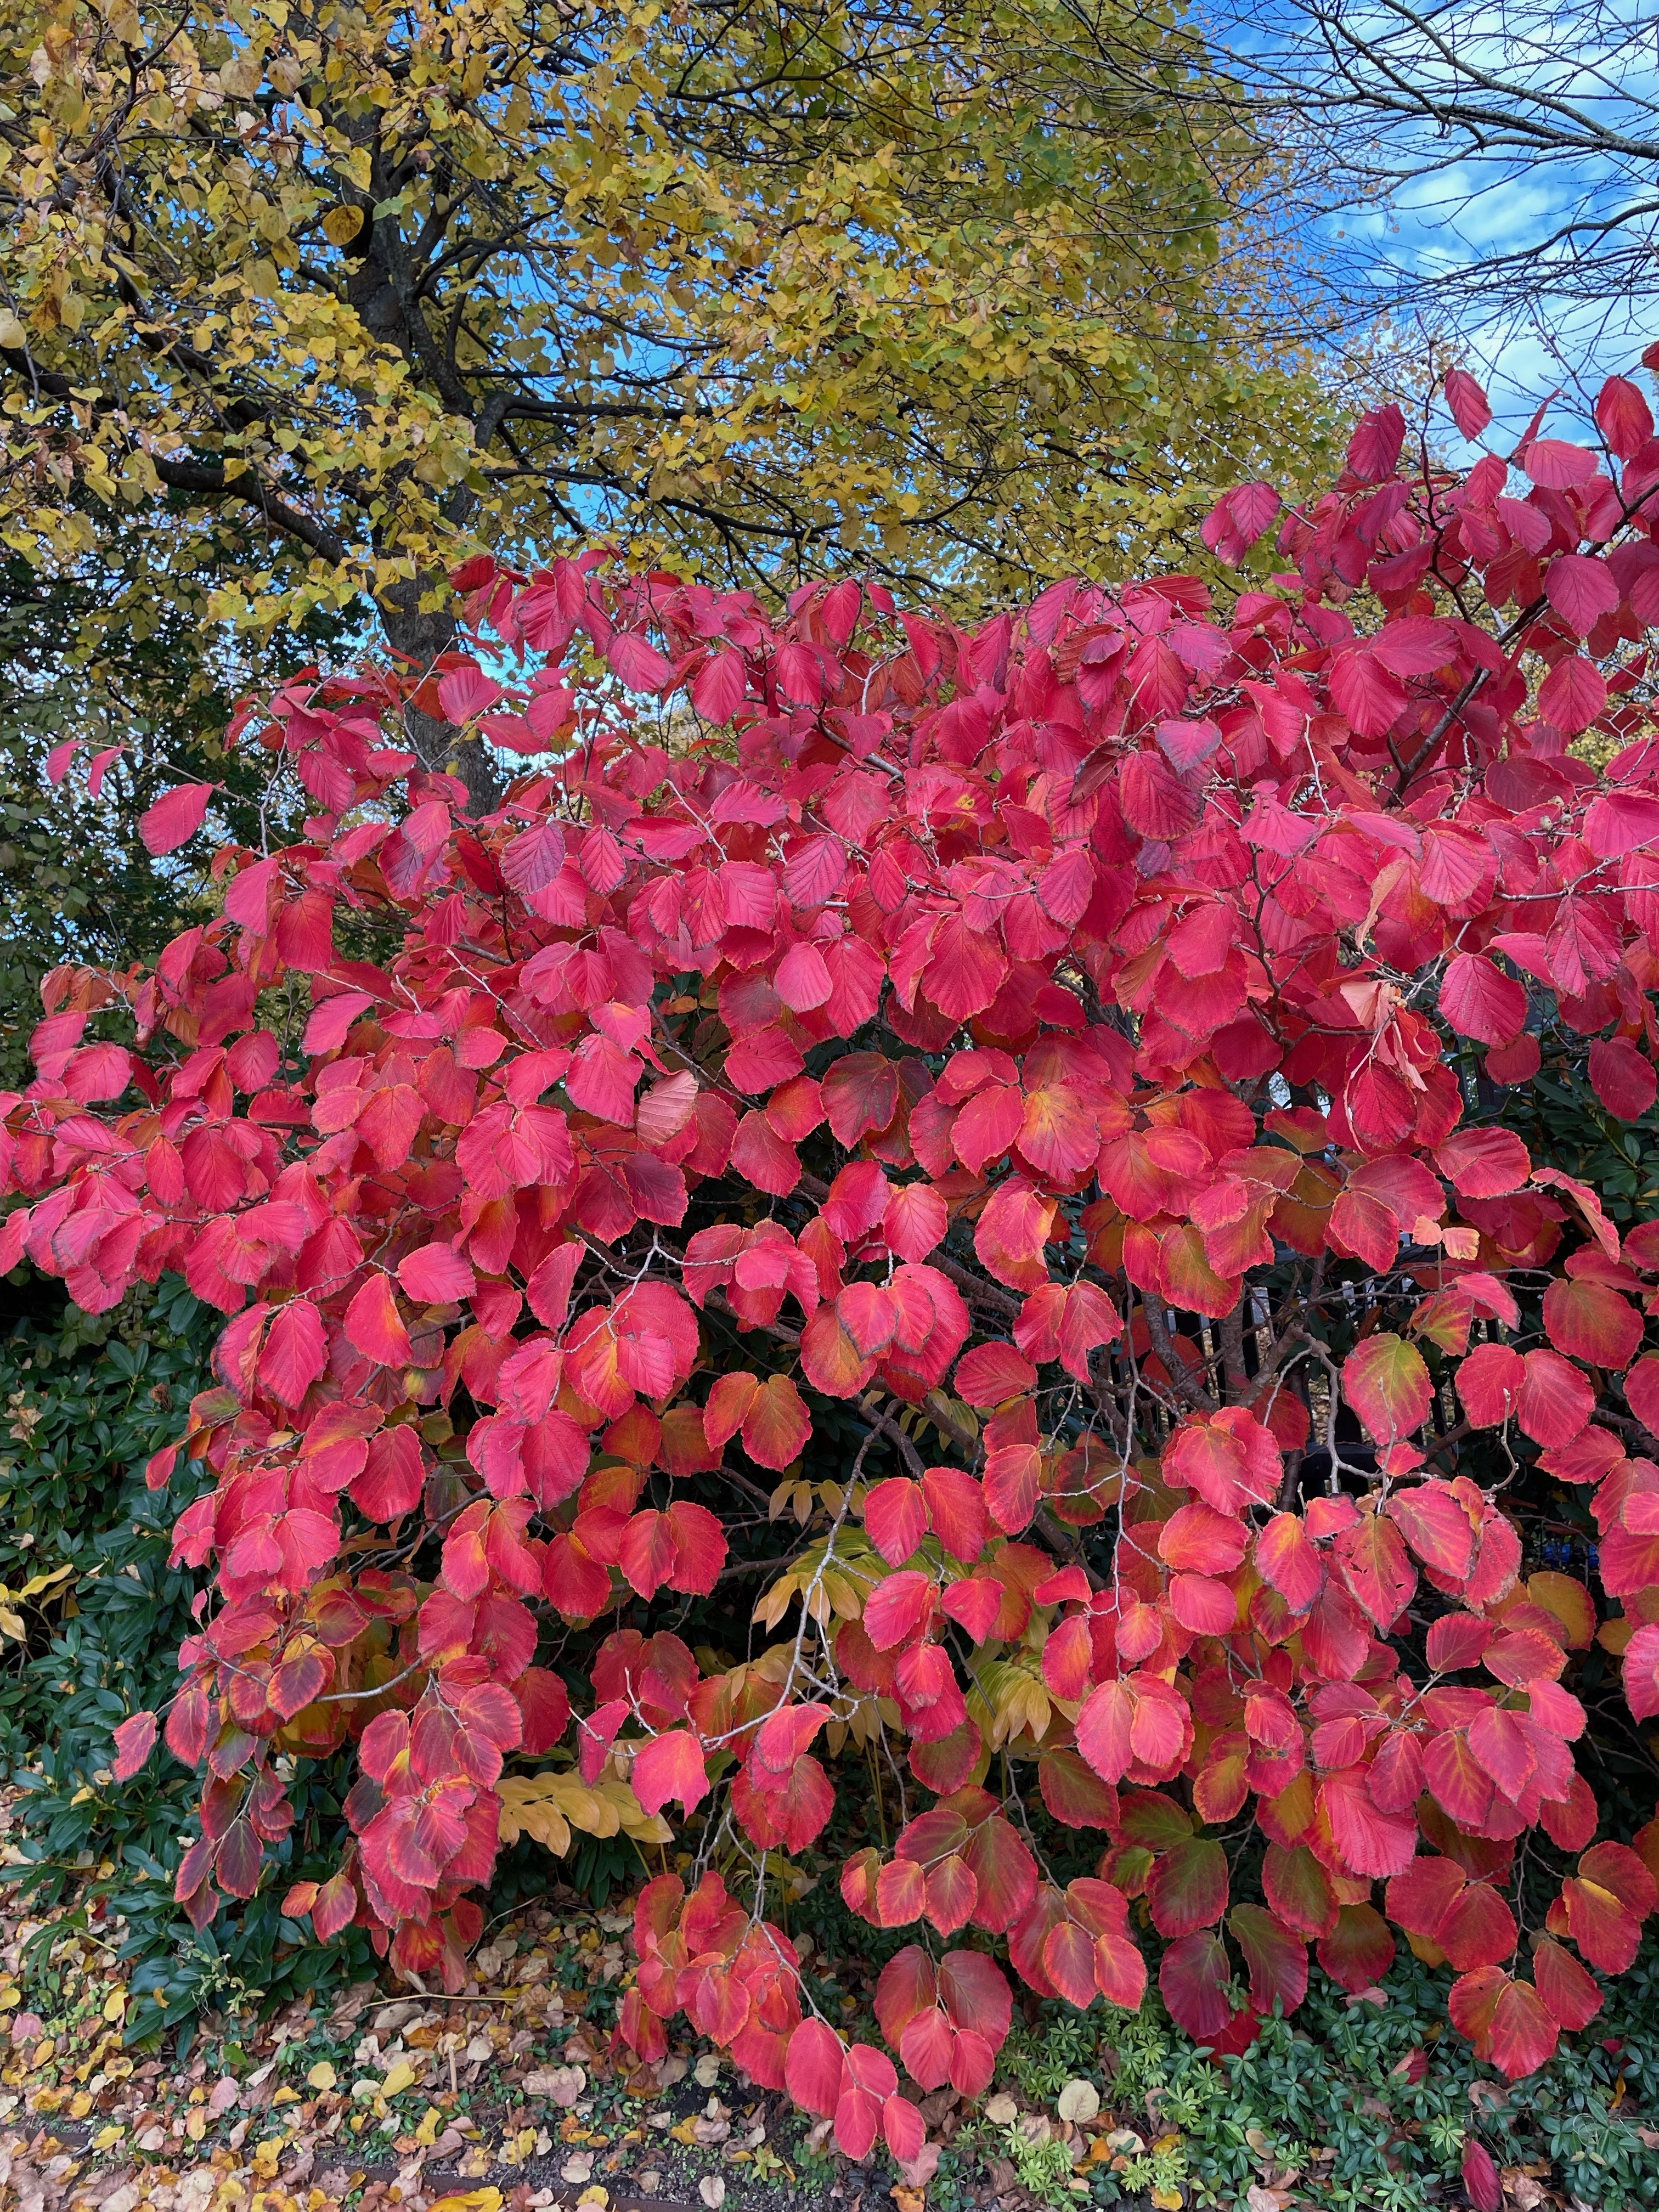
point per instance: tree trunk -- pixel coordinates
(418, 637)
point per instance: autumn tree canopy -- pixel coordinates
(318, 293)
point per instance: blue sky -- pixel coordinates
(1452, 207)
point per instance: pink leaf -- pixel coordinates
(175, 817)
(134, 1739)
(669, 1765)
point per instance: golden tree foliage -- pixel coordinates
(325, 294)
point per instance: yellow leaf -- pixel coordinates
(397, 2080)
(115, 2005)
(36, 1583)
(322, 2077)
(843, 1595)
(472, 2200)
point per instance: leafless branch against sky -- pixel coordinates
(1489, 169)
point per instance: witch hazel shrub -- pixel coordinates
(1043, 1056)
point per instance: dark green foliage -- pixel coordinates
(1565, 1123)
(1330, 2079)
(78, 883)
(87, 1403)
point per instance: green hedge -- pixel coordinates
(86, 1403)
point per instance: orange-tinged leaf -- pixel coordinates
(777, 1426)
(1590, 1320)
(1436, 1525)
(1289, 1563)
(1298, 1890)
(1569, 1995)
(374, 1326)
(1388, 1386)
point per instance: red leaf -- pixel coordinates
(638, 662)
(1006, 1873)
(1276, 1959)
(1370, 1842)
(1470, 408)
(1374, 448)
(896, 1608)
(1619, 821)
(860, 1092)
(1482, 2185)
(896, 1519)
(1503, 2019)
(436, 1274)
(1556, 464)
(1579, 587)
(1589, 1320)
(992, 1373)
(1359, 1950)
(1297, 1889)
(717, 691)
(1573, 695)
(1481, 1001)
(1436, 1526)
(1624, 1079)
(374, 1326)
(175, 817)
(1484, 1163)
(1289, 1563)
(1622, 417)
(1570, 1995)
(1194, 1979)
(777, 1426)
(295, 1352)
(669, 1765)
(1374, 1565)
(1554, 1401)
(1489, 1382)
(134, 1739)
(1188, 1887)
(974, 1994)
(903, 2128)
(814, 2066)
(977, 1605)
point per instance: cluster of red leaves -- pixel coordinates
(1106, 964)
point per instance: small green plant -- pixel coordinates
(1038, 2062)
(1045, 2167)
(1161, 2171)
